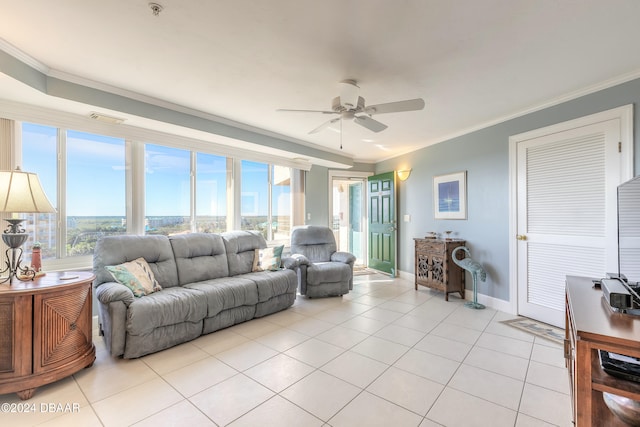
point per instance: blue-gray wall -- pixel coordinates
(484, 155)
(316, 193)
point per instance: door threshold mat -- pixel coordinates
(538, 329)
(363, 271)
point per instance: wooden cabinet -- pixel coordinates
(45, 331)
(592, 325)
(15, 321)
(434, 266)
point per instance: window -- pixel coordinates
(93, 203)
(280, 203)
(266, 199)
(39, 155)
(102, 185)
(95, 191)
(211, 193)
(167, 190)
(255, 197)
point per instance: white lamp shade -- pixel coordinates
(21, 192)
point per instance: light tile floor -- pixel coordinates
(382, 355)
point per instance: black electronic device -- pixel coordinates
(620, 366)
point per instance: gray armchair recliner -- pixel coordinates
(322, 271)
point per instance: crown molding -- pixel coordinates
(25, 112)
(23, 57)
(538, 107)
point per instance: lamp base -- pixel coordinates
(14, 237)
(14, 259)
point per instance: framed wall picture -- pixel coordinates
(450, 196)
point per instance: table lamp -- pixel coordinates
(20, 192)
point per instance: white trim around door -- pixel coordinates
(624, 115)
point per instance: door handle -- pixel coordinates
(393, 228)
(521, 237)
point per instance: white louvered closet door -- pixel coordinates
(567, 221)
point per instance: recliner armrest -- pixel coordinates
(111, 291)
(301, 259)
(344, 257)
(290, 263)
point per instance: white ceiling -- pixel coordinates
(475, 62)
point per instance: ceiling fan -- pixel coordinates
(350, 106)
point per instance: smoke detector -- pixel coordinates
(156, 8)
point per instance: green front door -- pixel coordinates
(382, 222)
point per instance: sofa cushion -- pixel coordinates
(136, 275)
(267, 258)
(199, 256)
(225, 293)
(273, 283)
(156, 250)
(167, 307)
(328, 272)
(241, 246)
(161, 338)
(229, 317)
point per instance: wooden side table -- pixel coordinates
(591, 326)
(434, 266)
(45, 330)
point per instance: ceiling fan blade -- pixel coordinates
(305, 111)
(396, 107)
(325, 125)
(369, 123)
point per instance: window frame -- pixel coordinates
(135, 183)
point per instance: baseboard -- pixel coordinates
(491, 302)
(406, 275)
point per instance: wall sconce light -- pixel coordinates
(404, 174)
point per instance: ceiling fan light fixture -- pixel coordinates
(349, 104)
(349, 92)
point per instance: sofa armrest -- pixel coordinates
(344, 257)
(109, 292)
(301, 259)
(290, 263)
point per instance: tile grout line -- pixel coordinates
(311, 314)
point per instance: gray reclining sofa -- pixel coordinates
(207, 284)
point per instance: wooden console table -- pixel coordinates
(45, 330)
(434, 266)
(591, 325)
